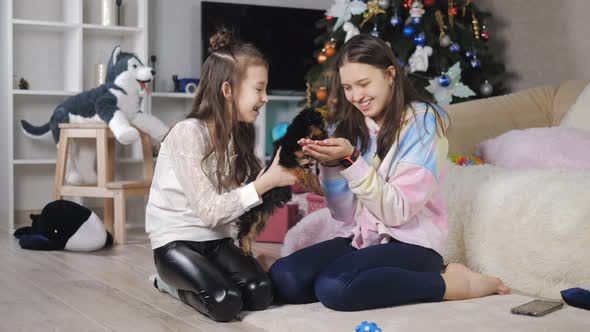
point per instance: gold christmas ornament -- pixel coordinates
(330, 51)
(321, 94)
(330, 47)
(475, 26)
(373, 10)
(322, 57)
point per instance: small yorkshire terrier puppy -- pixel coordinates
(309, 123)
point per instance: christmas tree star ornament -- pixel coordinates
(373, 10)
(444, 95)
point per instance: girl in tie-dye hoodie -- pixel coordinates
(384, 190)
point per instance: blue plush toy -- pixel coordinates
(577, 297)
(367, 327)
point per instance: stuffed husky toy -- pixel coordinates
(64, 225)
(116, 102)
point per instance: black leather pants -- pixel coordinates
(214, 277)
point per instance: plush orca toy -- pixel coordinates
(64, 225)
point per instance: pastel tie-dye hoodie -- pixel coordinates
(399, 197)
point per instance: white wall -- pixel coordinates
(175, 34)
(541, 41)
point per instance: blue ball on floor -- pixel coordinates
(577, 297)
(367, 327)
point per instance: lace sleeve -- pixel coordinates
(187, 143)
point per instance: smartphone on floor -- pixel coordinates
(537, 308)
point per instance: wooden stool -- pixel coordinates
(114, 193)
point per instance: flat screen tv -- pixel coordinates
(285, 36)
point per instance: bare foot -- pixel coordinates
(462, 283)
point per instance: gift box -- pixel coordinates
(315, 202)
(279, 223)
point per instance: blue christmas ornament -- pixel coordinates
(420, 39)
(279, 130)
(408, 30)
(455, 47)
(367, 327)
(395, 20)
(470, 54)
(416, 20)
(444, 80)
(475, 63)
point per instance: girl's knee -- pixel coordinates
(289, 284)
(331, 291)
(257, 294)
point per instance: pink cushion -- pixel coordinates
(555, 147)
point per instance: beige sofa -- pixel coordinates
(475, 121)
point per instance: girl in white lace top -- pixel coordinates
(198, 191)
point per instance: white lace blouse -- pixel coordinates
(183, 202)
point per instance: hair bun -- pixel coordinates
(220, 39)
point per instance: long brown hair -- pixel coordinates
(349, 121)
(227, 62)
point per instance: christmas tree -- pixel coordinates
(441, 45)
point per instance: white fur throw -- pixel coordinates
(531, 228)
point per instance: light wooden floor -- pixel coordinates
(106, 290)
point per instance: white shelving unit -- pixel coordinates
(55, 45)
